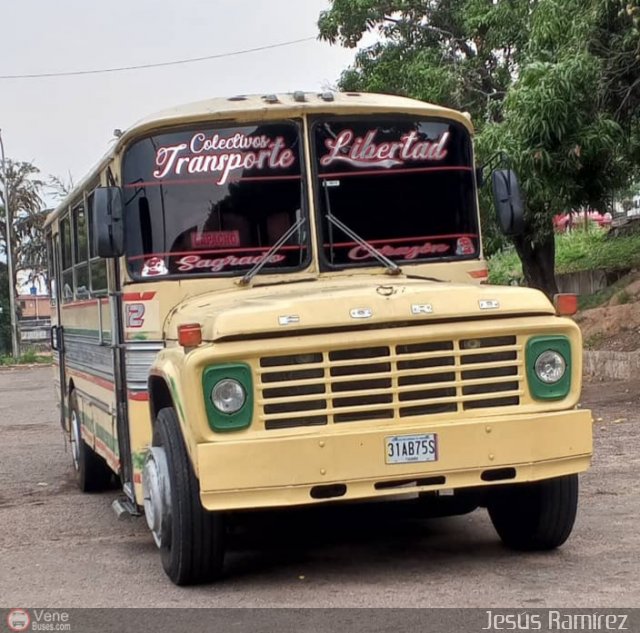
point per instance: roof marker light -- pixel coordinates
(270, 98)
(299, 96)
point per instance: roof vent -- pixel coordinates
(298, 96)
(270, 98)
(327, 96)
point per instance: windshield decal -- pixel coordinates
(215, 239)
(191, 263)
(401, 252)
(154, 267)
(223, 155)
(363, 151)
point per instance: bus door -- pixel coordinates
(119, 364)
(57, 333)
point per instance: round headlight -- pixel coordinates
(550, 367)
(228, 395)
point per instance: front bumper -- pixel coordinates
(282, 470)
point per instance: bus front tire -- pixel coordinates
(192, 543)
(92, 472)
(535, 516)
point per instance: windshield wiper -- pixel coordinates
(250, 274)
(391, 266)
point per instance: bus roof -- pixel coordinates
(261, 107)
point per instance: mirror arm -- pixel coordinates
(498, 160)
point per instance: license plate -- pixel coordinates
(408, 449)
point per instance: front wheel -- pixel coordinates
(191, 539)
(535, 516)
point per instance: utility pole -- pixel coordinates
(12, 290)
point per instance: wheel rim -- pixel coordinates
(157, 495)
(75, 440)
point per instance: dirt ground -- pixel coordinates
(59, 548)
(614, 326)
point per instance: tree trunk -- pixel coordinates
(538, 261)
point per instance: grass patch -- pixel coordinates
(575, 251)
(29, 357)
(586, 302)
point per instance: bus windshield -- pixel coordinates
(404, 185)
(213, 200)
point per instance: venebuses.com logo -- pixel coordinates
(18, 620)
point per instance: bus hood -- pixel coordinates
(326, 304)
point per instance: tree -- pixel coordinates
(5, 313)
(28, 216)
(555, 83)
(459, 53)
(569, 148)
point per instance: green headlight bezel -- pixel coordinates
(241, 419)
(542, 390)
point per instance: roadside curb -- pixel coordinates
(613, 365)
(24, 366)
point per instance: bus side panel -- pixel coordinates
(89, 369)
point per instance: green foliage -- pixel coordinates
(5, 314)
(575, 251)
(553, 83)
(28, 216)
(28, 357)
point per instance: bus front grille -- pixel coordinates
(390, 381)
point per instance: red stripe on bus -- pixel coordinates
(102, 382)
(137, 478)
(479, 274)
(204, 181)
(110, 456)
(262, 249)
(138, 296)
(404, 239)
(390, 172)
(139, 396)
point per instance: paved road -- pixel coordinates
(61, 548)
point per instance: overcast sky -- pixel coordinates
(64, 125)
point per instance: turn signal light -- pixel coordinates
(190, 334)
(566, 304)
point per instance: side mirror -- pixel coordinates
(107, 213)
(508, 201)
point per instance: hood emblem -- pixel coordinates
(288, 319)
(421, 308)
(361, 313)
(489, 304)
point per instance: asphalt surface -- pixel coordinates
(60, 548)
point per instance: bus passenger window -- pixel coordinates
(67, 261)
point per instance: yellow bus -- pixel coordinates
(281, 300)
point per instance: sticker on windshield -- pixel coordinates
(215, 239)
(154, 267)
(363, 151)
(223, 156)
(465, 246)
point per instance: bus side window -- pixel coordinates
(98, 266)
(51, 274)
(81, 252)
(66, 291)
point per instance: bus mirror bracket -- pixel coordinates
(508, 202)
(107, 222)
